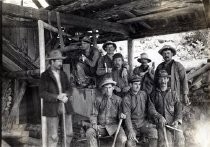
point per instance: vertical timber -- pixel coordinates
(130, 54)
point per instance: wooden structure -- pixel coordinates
(114, 20)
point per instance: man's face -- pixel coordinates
(107, 90)
(57, 64)
(118, 62)
(167, 55)
(144, 62)
(85, 45)
(110, 49)
(135, 86)
(163, 82)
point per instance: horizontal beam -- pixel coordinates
(66, 19)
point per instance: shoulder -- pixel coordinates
(178, 64)
(117, 98)
(45, 73)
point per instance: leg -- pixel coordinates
(179, 139)
(121, 138)
(151, 132)
(161, 138)
(91, 138)
(81, 72)
(52, 131)
(69, 130)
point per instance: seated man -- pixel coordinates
(122, 86)
(87, 65)
(105, 116)
(105, 63)
(136, 106)
(146, 73)
(169, 107)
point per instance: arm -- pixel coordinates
(43, 88)
(100, 68)
(92, 62)
(177, 109)
(183, 78)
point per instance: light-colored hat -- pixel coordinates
(56, 55)
(86, 39)
(163, 73)
(108, 43)
(143, 56)
(167, 47)
(107, 81)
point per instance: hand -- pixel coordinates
(126, 89)
(132, 135)
(117, 88)
(122, 116)
(63, 97)
(175, 124)
(162, 121)
(186, 100)
(109, 70)
(82, 58)
(124, 73)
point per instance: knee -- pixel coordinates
(153, 134)
(130, 143)
(122, 139)
(90, 133)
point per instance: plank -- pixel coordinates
(66, 19)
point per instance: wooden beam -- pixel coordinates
(13, 53)
(37, 3)
(207, 11)
(66, 19)
(130, 54)
(22, 74)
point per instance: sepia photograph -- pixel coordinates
(105, 73)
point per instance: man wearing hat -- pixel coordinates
(146, 73)
(105, 115)
(178, 81)
(54, 85)
(88, 62)
(169, 107)
(137, 107)
(122, 86)
(105, 63)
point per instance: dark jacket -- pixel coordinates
(49, 91)
(168, 105)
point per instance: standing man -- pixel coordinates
(168, 105)
(146, 73)
(137, 107)
(122, 86)
(178, 81)
(88, 62)
(53, 89)
(105, 116)
(105, 63)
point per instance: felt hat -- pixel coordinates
(163, 73)
(167, 47)
(107, 81)
(56, 55)
(135, 78)
(143, 56)
(108, 43)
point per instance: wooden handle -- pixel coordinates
(118, 129)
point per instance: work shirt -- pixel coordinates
(137, 109)
(167, 104)
(147, 83)
(106, 112)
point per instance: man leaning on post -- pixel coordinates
(53, 89)
(106, 115)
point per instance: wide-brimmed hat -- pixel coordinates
(143, 56)
(107, 81)
(56, 55)
(86, 39)
(108, 43)
(135, 78)
(167, 47)
(163, 73)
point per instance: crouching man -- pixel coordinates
(137, 105)
(169, 107)
(105, 116)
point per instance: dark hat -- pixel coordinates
(143, 56)
(163, 73)
(135, 78)
(86, 39)
(117, 55)
(167, 47)
(56, 55)
(107, 43)
(107, 81)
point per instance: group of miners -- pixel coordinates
(149, 101)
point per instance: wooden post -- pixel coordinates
(94, 38)
(42, 69)
(130, 54)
